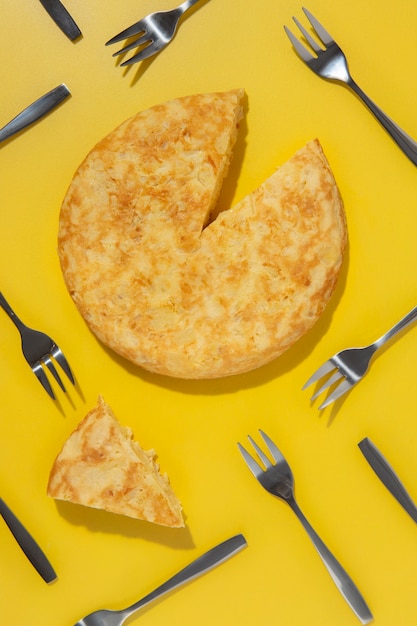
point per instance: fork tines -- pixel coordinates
(324, 370)
(135, 29)
(141, 55)
(253, 465)
(319, 30)
(148, 47)
(330, 369)
(38, 370)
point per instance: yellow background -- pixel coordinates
(106, 561)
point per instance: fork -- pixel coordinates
(277, 479)
(155, 32)
(202, 564)
(39, 350)
(331, 63)
(352, 364)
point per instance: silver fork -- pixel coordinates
(277, 479)
(331, 63)
(39, 350)
(155, 32)
(351, 365)
(202, 564)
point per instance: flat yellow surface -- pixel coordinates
(106, 561)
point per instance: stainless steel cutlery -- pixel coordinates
(39, 351)
(155, 32)
(387, 475)
(349, 366)
(202, 564)
(62, 18)
(336, 376)
(277, 478)
(328, 61)
(35, 111)
(29, 546)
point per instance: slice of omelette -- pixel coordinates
(174, 291)
(101, 466)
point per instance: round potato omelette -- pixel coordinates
(171, 288)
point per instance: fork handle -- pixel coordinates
(35, 111)
(28, 544)
(387, 476)
(199, 566)
(398, 327)
(187, 5)
(341, 578)
(8, 309)
(404, 141)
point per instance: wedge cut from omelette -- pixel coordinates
(101, 466)
(171, 288)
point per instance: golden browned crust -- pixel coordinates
(169, 292)
(101, 466)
